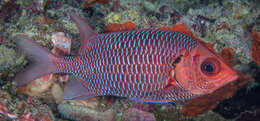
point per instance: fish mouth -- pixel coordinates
(228, 80)
(232, 78)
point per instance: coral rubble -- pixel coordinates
(15, 108)
(80, 113)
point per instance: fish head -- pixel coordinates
(202, 71)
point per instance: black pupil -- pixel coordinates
(209, 68)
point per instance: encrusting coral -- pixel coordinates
(255, 52)
(120, 27)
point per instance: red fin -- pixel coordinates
(42, 60)
(84, 29)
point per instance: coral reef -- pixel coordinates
(13, 108)
(223, 27)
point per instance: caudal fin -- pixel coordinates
(41, 62)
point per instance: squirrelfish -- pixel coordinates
(147, 65)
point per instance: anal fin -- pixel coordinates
(75, 90)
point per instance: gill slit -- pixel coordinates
(174, 63)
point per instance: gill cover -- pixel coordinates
(202, 71)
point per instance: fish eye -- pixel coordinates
(210, 67)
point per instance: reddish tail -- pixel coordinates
(41, 61)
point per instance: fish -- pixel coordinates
(147, 65)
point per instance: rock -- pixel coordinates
(81, 113)
(134, 114)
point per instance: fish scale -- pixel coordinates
(130, 64)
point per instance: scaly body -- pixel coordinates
(129, 64)
(143, 65)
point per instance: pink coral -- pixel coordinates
(62, 44)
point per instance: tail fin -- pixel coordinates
(41, 61)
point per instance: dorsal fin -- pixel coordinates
(84, 29)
